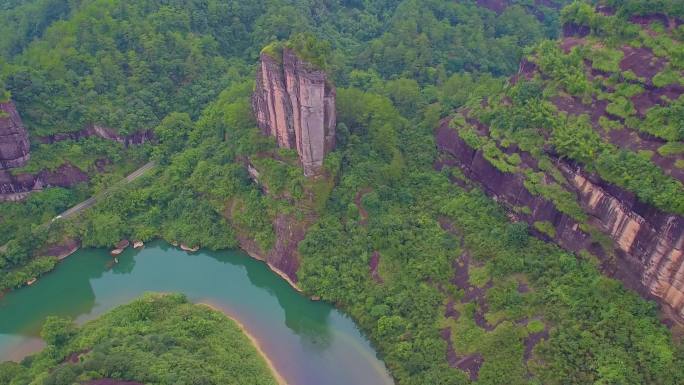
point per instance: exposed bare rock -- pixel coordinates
(283, 257)
(17, 187)
(120, 247)
(61, 249)
(122, 244)
(14, 143)
(532, 340)
(652, 241)
(373, 267)
(295, 103)
(190, 249)
(14, 152)
(648, 243)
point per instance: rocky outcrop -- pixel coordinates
(283, 257)
(650, 241)
(295, 103)
(647, 242)
(14, 143)
(17, 187)
(100, 132)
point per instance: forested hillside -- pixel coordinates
(588, 141)
(449, 285)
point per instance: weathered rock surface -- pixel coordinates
(647, 242)
(295, 103)
(61, 249)
(283, 257)
(14, 143)
(17, 187)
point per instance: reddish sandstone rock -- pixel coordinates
(295, 103)
(648, 242)
(14, 143)
(17, 187)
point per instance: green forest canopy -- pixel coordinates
(185, 70)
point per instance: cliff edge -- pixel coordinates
(586, 145)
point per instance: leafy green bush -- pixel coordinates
(606, 59)
(13, 279)
(671, 148)
(546, 228)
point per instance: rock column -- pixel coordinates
(294, 102)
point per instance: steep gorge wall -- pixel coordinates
(295, 103)
(648, 243)
(95, 130)
(646, 238)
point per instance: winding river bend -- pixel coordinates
(309, 343)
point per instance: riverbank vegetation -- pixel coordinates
(436, 275)
(157, 339)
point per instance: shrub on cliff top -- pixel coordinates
(307, 47)
(311, 49)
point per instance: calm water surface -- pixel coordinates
(310, 343)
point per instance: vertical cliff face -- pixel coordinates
(649, 244)
(14, 143)
(647, 239)
(295, 103)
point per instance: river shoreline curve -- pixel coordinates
(255, 342)
(72, 249)
(309, 342)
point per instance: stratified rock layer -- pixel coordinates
(647, 242)
(18, 187)
(295, 103)
(14, 143)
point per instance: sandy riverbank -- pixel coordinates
(279, 379)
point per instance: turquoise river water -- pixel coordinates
(309, 343)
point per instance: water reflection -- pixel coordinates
(24, 311)
(310, 343)
(306, 319)
(126, 262)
